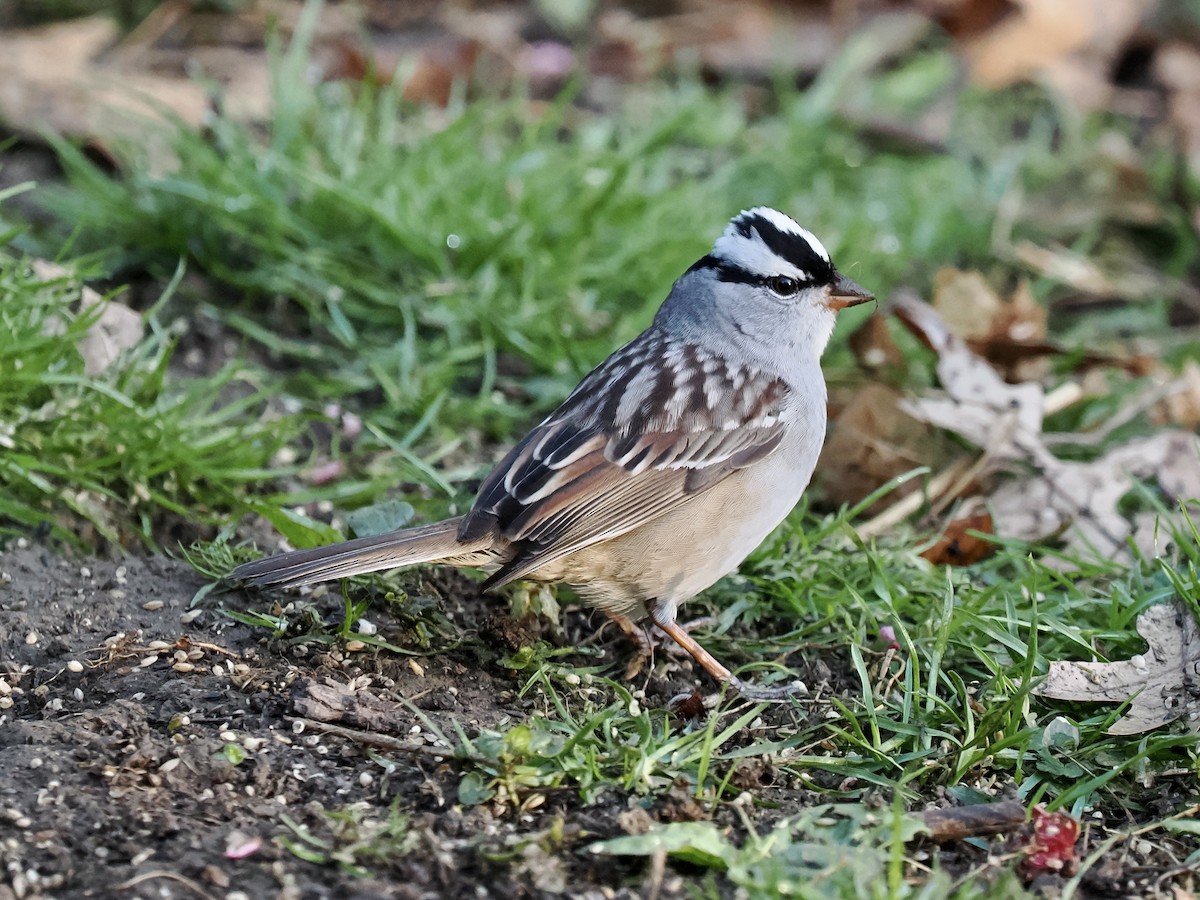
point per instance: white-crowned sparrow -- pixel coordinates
(669, 463)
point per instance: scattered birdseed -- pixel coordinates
(153, 605)
(75, 666)
(190, 616)
(148, 661)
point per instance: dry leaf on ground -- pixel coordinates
(872, 441)
(115, 329)
(1051, 497)
(1072, 44)
(1161, 684)
(977, 404)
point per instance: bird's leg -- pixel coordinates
(638, 637)
(664, 618)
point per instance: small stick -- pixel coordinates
(957, 822)
(387, 742)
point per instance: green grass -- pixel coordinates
(125, 454)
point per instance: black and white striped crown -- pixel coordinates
(762, 243)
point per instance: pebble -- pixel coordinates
(31, 638)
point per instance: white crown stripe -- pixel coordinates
(784, 223)
(752, 254)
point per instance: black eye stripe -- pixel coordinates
(737, 275)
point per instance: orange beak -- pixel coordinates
(847, 293)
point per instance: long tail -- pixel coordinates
(428, 543)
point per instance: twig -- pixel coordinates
(1139, 406)
(169, 876)
(387, 742)
(906, 506)
(957, 822)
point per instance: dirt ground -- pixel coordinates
(150, 748)
(121, 701)
(117, 780)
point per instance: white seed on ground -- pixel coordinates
(75, 666)
(31, 638)
(77, 695)
(158, 645)
(85, 572)
(190, 616)
(355, 646)
(417, 668)
(153, 605)
(229, 737)
(117, 594)
(184, 667)
(149, 661)
(365, 779)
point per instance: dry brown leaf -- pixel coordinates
(1009, 331)
(1161, 684)
(1078, 501)
(115, 329)
(1177, 65)
(956, 547)
(872, 441)
(1072, 44)
(49, 80)
(977, 404)
(873, 346)
(1182, 406)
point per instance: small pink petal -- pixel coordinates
(246, 848)
(326, 472)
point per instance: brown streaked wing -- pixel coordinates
(572, 482)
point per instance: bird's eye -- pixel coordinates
(783, 286)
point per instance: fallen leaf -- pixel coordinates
(1160, 685)
(1001, 330)
(957, 547)
(1079, 501)
(1182, 405)
(977, 404)
(115, 327)
(1071, 44)
(1049, 497)
(871, 441)
(873, 346)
